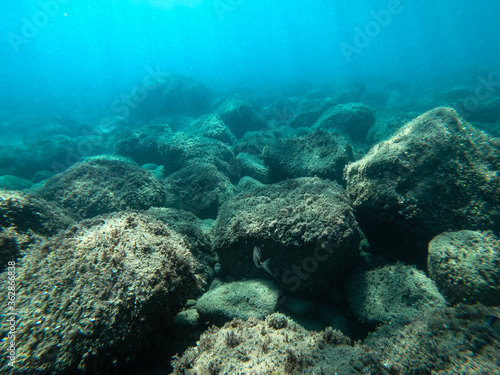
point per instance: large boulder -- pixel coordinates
(9, 182)
(199, 188)
(93, 296)
(141, 144)
(441, 341)
(466, 266)
(320, 153)
(239, 299)
(23, 219)
(182, 149)
(435, 174)
(211, 126)
(28, 212)
(196, 233)
(304, 226)
(254, 142)
(276, 345)
(102, 185)
(391, 293)
(239, 116)
(354, 120)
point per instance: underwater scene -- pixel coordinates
(250, 187)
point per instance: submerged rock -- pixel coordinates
(199, 188)
(391, 293)
(141, 144)
(253, 167)
(442, 341)
(211, 126)
(103, 185)
(319, 153)
(276, 345)
(9, 182)
(182, 149)
(354, 120)
(466, 266)
(91, 297)
(304, 226)
(28, 212)
(437, 173)
(239, 299)
(195, 232)
(239, 116)
(184, 96)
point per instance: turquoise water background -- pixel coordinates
(76, 54)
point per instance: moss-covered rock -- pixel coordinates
(354, 120)
(238, 299)
(319, 153)
(182, 149)
(211, 126)
(452, 340)
(91, 297)
(391, 293)
(239, 116)
(304, 226)
(466, 266)
(251, 166)
(196, 233)
(9, 182)
(435, 174)
(199, 188)
(276, 345)
(103, 185)
(28, 212)
(141, 144)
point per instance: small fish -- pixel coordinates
(494, 323)
(258, 263)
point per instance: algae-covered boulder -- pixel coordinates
(28, 212)
(391, 293)
(276, 345)
(253, 142)
(239, 299)
(9, 182)
(354, 120)
(196, 233)
(211, 126)
(103, 185)
(309, 112)
(441, 341)
(23, 217)
(91, 297)
(304, 226)
(435, 174)
(239, 116)
(466, 266)
(251, 166)
(320, 153)
(141, 144)
(182, 149)
(199, 188)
